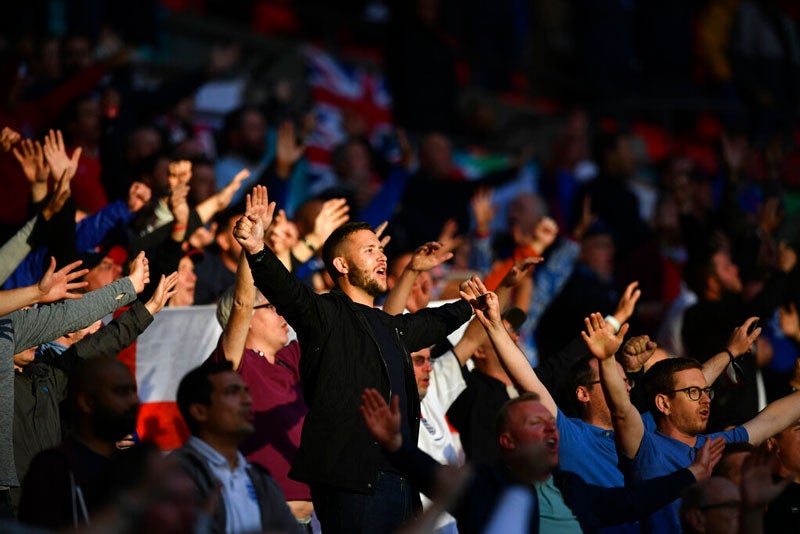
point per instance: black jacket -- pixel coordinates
(340, 358)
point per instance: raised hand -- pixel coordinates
(140, 272)
(758, 486)
(36, 170)
(57, 285)
(636, 351)
(333, 214)
(382, 421)
(249, 229)
(9, 137)
(138, 195)
(544, 234)
(287, 149)
(741, 340)
(428, 256)
(787, 257)
(260, 205)
(627, 303)
(282, 234)
(379, 232)
(225, 196)
(482, 210)
(178, 204)
(587, 219)
(61, 192)
(203, 237)
(448, 236)
(163, 292)
(472, 290)
(519, 271)
(180, 172)
(56, 154)
(707, 457)
(601, 340)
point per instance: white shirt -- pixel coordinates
(242, 513)
(435, 437)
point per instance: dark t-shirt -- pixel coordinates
(394, 363)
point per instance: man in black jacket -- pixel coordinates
(347, 346)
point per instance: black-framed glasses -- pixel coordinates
(265, 305)
(593, 382)
(694, 393)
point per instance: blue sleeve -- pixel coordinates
(29, 272)
(91, 231)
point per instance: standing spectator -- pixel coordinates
(348, 345)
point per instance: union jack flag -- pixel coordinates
(339, 88)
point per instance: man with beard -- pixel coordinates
(721, 306)
(216, 404)
(66, 484)
(347, 345)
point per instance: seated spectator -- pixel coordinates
(71, 478)
(215, 403)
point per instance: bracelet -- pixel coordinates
(311, 247)
(610, 319)
(730, 354)
(179, 227)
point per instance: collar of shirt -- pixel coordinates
(214, 458)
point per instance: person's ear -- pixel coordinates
(340, 264)
(663, 404)
(772, 445)
(582, 394)
(696, 519)
(480, 353)
(507, 441)
(84, 403)
(199, 412)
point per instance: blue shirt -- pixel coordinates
(591, 452)
(660, 455)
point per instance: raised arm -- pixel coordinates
(333, 214)
(45, 323)
(510, 355)
(777, 416)
(738, 345)
(603, 344)
(424, 258)
(244, 297)
(222, 199)
(54, 286)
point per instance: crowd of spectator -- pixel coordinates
(434, 318)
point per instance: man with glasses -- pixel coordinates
(679, 399)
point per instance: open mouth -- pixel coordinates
(551, 443)
(381, 271)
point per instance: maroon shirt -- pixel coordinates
(279, 413)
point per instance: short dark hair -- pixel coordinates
(331, 248)
(660, 378)
(196, 388)
(580, 374)
(501, 421)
